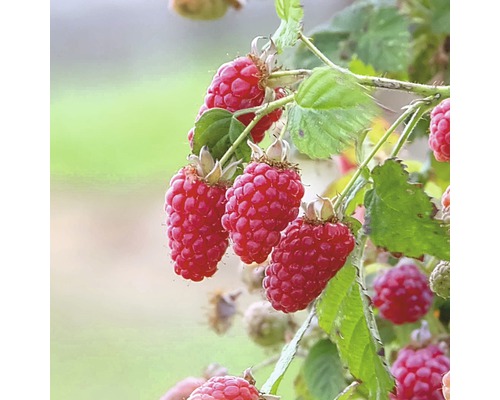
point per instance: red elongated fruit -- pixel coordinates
(194, 204)
(402, 294)
(439, 137)
(310, 253)
(261, 203)
(241, 84)
(419, 373)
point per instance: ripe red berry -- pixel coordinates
(419, 373)
(225, 388)
(240, 84)
(195, 203)
(260, 204)
(308, 256)
(402, 294)
(183, 389)
(439, 138)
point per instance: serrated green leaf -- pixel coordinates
(375, 32)
(322, 374)
(331, 111)
(400, 215)
(291, 14)
(344, 313)
(218, 129)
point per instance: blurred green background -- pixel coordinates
(127, 79)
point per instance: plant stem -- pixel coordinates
(379, 82)
(259, 113)
(266, 108)
(372, 154)
(290, 72)
(408, 130)
(317, 52)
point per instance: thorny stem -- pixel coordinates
(379, 82)
(259, 113)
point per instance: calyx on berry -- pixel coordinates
(210, 170)
(275, 154)
(320, 210)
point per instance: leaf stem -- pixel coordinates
(259, 113)
(379, 82)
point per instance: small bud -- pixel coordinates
(439, 280)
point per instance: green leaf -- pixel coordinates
(218, 129)
(331, 111)
(322, 374)
(344, 313)
(291, 14)
(376, 33)
(440, 19)
(360, 68)
(400, 215)
(286, 357)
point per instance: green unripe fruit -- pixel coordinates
(265, 325)
(200, 9)
(440, 280)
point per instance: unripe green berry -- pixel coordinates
(265, 325)
(440, 280)
(200, 9)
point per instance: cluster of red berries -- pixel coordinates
(258, 212)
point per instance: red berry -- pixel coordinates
(402, 294)
(308, 256)
(196, 237)
(419, 373)
(183, 389)
(261, 203)
(237, 85)
(225, 388)
(439, 138)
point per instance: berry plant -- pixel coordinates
(368, 258)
